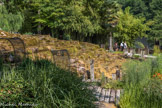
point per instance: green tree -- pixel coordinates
(109, 18)
(156, 32)
(137, 7)
(129, 28)
(23, 7)
(67, 17)
(151, 10)
(8, 21)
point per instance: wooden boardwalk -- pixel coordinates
(106, 95)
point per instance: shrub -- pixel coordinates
(66, 37)
(47, 85)
(136, 56)
(28, 33)
(141, 88)
(140, 45)
(156, 50)
(114, 84)
(16, 91)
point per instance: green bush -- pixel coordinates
(16, 91)
(46, 85)
(156, 50)
(28, 33)
(114, 84)
(141, 89)
(136, 56)
(66, 37)
(140, 45)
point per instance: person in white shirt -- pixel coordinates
(125, 45)
(122, 46)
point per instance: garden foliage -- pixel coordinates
(142, 84)
(45, 85)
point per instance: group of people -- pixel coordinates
(122, 46)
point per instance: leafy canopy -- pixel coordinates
(129, 27)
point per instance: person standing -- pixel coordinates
(116, 46)
(125, 45)
(122, 46)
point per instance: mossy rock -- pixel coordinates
(32, 42)
(41, 48)
(29, 51)
(81, 50)
(73, 50)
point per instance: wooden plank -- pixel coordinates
(112, 97)
(117, 97)
(107, 95)
(102, 96)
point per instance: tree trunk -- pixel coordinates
(52, 32)
(111, 46)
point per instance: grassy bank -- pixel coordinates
(142, 84)
(43, 84)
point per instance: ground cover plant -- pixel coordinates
(42, 84)
(142, 84)
(114, 84)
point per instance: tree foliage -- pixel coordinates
(156, 8)
(91, 20)
(156, 31)
(149, 9)
(137, 7)
(9, 21)
(130, 28)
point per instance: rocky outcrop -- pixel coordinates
(80, 52)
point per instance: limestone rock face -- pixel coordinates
(72, 61)
(80, 53)
(3, 34)
(81, 62)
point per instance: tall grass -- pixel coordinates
(141, 89)
(46, 85)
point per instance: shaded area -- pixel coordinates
(61, 58)
(12, 49)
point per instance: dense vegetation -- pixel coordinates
(142, 84)
(97, 21)
(85, 20)
(42, 84)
